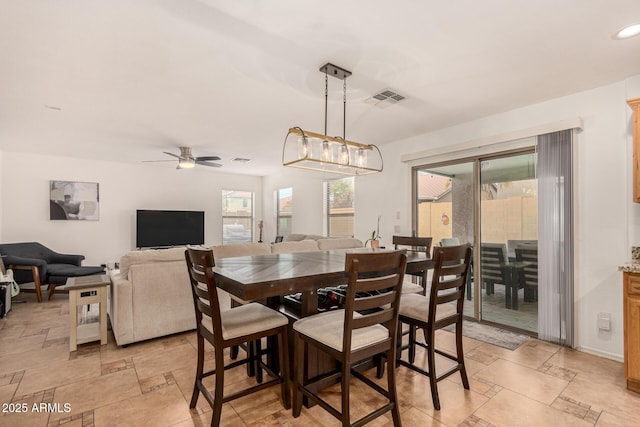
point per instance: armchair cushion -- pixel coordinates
(72, 270)
(56, 258)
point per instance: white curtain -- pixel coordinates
(555, 248)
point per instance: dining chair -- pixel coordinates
(365, 328)
(223, 329)
(420, 245)
(441, 308)
(236, 250)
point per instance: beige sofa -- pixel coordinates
(151, 296)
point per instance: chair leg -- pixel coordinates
(460, 354)
(219, 391)
(199, 371)
(431, 363)
(234, 352)
(391, 386)
(299, 364)
(346, 376)
(251, 366)
(412, 343)
(52, 289)
(258, 359)
(380, 364)
(283, 356)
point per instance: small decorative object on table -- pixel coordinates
(375, 236)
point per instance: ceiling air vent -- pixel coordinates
(385, 98)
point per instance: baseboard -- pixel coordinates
(606, 355)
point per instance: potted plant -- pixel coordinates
(375, 236)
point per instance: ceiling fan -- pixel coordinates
(186, 160)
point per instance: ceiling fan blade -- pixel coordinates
(213, 165)
(207, 158)
(171, 154)
(156, 161)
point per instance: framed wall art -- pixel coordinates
(69, 200)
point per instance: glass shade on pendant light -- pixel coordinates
(326, 151)
(308, 150)
(304, 147)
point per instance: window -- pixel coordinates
(237, 216)
(284, 211)
(339, 207)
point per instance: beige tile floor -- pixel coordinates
(150, 384)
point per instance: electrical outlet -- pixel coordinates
(396, 229)
(604, 321)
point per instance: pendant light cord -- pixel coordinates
(344, 110)
(326, 96)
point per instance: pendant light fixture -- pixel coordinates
(309, 150)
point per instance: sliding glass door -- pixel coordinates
(509, 241)
(444, 209)
(490, 202)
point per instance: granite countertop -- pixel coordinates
(630, 267)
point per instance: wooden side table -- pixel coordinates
(82, 291)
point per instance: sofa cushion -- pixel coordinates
(293, 237)
(338, 243)
(150, 256)
(241, 249)
(298, 237)
(291, 247)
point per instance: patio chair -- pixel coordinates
(528, 255)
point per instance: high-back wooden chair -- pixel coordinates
(366, 327)
(223, 329)
(420, 245)
(441, 308)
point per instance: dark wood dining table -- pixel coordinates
(269, 277)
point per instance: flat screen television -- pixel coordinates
(159, 229)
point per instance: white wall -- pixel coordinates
(307, 201)
(1, 194)
(124, 188)
(607, 221)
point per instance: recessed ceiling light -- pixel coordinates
(627, 32)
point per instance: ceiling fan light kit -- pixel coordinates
(186, 160)
(335, 154)
(186, 163)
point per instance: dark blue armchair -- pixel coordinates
(33, 262)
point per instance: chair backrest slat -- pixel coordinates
(413, 244)
(368, 303)
(374, 318)
(492, 258)
(528, 254)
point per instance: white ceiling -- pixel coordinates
(130, 79)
